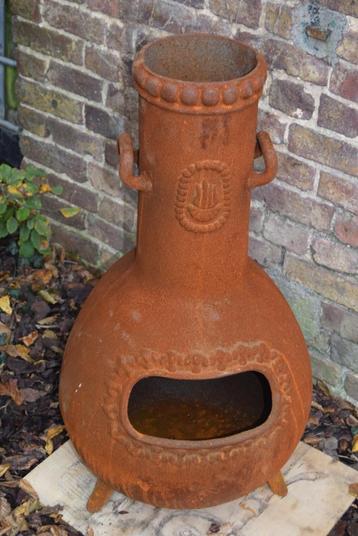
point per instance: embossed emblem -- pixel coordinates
(203, 196)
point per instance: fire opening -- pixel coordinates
(195, 410)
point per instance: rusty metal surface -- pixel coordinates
(188, 303)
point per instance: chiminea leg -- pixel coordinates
(278, 485)
(99, 496)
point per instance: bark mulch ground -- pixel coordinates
(37, 309)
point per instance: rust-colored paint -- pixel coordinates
(188, 303)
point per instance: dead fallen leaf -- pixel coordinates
(17, 350)
(48, 321)
(313, 420)
(10, 389)
(324, 388)
(29, 339)
(4, 468)
(42, 276)
(244, 506)
(27, 508)
(52, 530)
(5, 508)
(5, 304)
(48, 297)
(312, 440)
(353, 489)
(49, 334)
(31, 395)
(355, 443)
(27, 488)
(50, 435)
(5, 333)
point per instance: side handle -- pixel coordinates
(265, 148)
(126, 158)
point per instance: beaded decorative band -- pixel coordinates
(199, 97)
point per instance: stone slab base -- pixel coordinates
(317, 497)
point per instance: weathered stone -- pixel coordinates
(132, 38)
(295, 172)
(53, 157)
(335, 256)
(291, 204)
(252, 39)
(340, 320)
(27, 10)
(344, 352)
(271, 123)
(326, 370)
(192, 3)
(340, 191)
(278, 19)
(50, 101)
(33, 121)
(348, 7)
(172, 17)
(291, 98)
(245, 12)
(286, 233)
(102, 122)
(31, 66)
(334, 286)
(351, 385)
(106, 64)
(321, 342)
(348, 47)
(263, 252)
(295, 62)
(115, 35)
(83, 143)
(74, 21)
(257, 214)
(75, 81)
(118, 239)
(108, 7)
(48, 41)
(76, 194)
(346, 228)
(119, 213)
(76, 243)
(51, 207)
(349, 327)
(115, 99)
(205, 22)
(336, 116)
(332, 316)
(328, 151)
(111, 154)
(344, 82)
(104, 180)
(306, 309)
(107, 256)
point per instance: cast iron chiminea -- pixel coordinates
(186, 381)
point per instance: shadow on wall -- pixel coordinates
(9, 148)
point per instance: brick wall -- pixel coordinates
(76, 96)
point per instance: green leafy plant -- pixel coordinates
(20, 209)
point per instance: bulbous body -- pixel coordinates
(188, 303)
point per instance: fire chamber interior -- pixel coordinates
(199, 409)
(200, 58)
